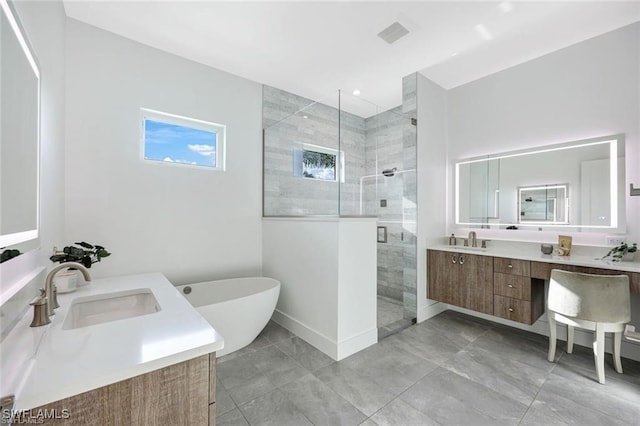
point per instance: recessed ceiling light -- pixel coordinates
(305, 116)
(356, 92)
(481, 29)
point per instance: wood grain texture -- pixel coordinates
(514, 286)
(442, 277)
(512, 309)
(174, 395)
(476, 282)
(505, 265)
(212, 377)
(542, 270)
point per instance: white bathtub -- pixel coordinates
(237, 308)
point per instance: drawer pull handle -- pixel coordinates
(461, 259)
(510, 285)
(509, 266)
(454, 259)
(510, 309)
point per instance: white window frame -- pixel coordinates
(340, 162)
(219, 129)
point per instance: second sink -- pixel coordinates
(101, 308)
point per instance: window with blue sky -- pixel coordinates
(179, 140)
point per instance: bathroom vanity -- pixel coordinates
(156, 367)
(506, 283)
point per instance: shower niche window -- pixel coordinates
(318, 162)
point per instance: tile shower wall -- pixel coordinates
(290, 121)
(382, 141)
(383, 195)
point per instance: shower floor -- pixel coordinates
(389, 311)
(391, 317)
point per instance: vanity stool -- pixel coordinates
(599, 303)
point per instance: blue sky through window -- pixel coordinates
(179, 144)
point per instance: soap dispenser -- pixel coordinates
(452, 240)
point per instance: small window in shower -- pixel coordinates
(318, 162)
(176, 140)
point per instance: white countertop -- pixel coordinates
(69, 362)
(581, 256)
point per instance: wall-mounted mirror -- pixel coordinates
(19, 133)
(573, 186)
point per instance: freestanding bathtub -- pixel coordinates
(237, 308)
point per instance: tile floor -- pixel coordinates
(451, 370)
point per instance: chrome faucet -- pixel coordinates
(472, 239)
(48, 283)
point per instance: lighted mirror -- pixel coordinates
(575, 186)
(19, 134)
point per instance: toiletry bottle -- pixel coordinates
(452, 240)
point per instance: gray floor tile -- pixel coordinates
(305, 354)
(224, 403)
(232, 418)
(452, 399)
(593, 398)
(369, 422)
(274, 332)
(365, 394)
(540, 414)
(426, 343)
(320, 404)
(398, 412)
(390, 367)
(252, 375)
(500, 372)
(459, 328)
(275, 409)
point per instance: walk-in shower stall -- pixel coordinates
(346, 164)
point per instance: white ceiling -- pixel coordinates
(314, 48)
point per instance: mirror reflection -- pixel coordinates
(19, 134)
(578, 185)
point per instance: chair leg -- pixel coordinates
(617, 339)
(569, 339)
(598, 351)
(552, 337)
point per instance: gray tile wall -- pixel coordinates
(286, 129)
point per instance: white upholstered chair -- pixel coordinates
(599, 303)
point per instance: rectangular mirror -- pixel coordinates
(573, 186)
(19, 133)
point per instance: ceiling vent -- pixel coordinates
(393, 33)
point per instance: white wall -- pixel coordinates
(188, 223)
(327, 271)
(587, 90)
(432, 180)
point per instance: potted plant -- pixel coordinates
(83, 253)
(622, 252)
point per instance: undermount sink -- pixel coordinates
(101, 308)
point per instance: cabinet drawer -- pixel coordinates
(512, 266)
(514, 286)
(512, 309)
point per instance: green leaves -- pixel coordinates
(86, 254)
(618, 252)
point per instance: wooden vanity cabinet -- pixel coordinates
(461, 279)
(180, 394)
(517, 296)
(493, 285)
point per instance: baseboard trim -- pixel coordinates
(357, 343)
(306, 333)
